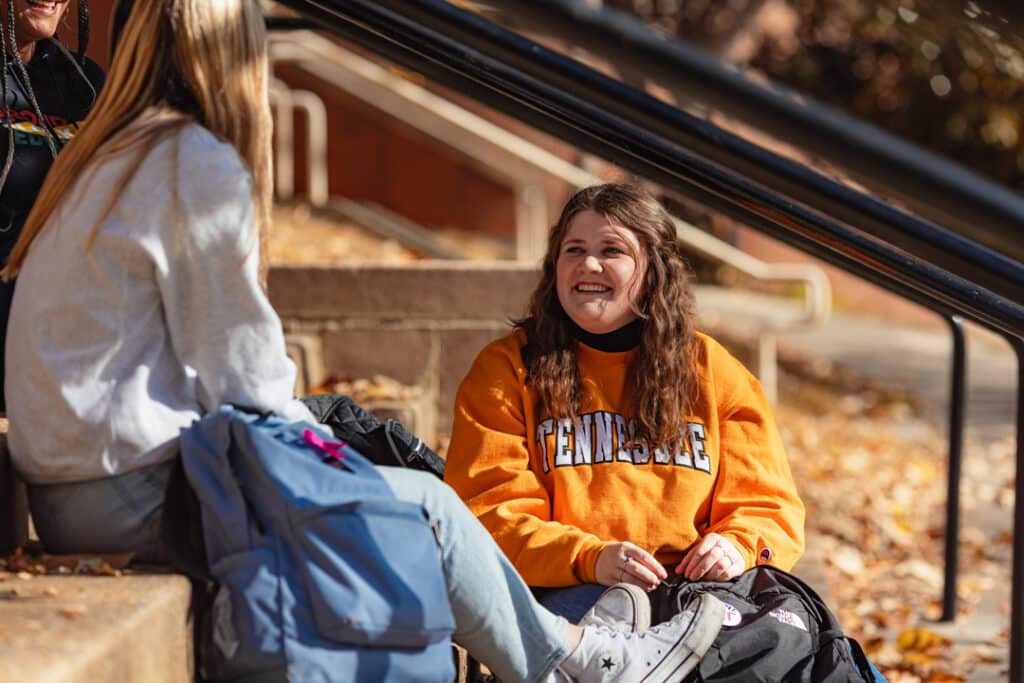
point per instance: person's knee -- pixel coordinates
(420, 487)
(440, 494)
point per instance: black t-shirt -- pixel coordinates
(64, 99)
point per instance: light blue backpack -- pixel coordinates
(324, 575)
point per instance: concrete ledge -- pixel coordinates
(84, 628)
(432, 290)
(463, 290)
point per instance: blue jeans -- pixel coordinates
(571, 602)
(496, 617)
(119, 514)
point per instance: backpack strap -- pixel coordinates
(182, 537)
(829, 635)
(182, 527)
(861, 659)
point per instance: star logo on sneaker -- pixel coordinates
(607, 664)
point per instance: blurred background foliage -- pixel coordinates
(945, 74)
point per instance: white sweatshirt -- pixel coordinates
(110, 352)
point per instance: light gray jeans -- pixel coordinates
(497, 619)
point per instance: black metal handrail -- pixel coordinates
(924, 262)
(871, 216)
(407, 32)
(930, 185)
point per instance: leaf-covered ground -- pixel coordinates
(872, 472)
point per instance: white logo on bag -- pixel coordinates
(732, 616)
(788, 618)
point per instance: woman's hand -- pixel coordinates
(628, 563)
(714, 558)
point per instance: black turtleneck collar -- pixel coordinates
(623, 339)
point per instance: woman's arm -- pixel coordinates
(489, 465)
(220, 321)
(754, 503)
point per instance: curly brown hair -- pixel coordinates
(663, 372)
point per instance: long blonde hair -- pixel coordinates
(177, 61)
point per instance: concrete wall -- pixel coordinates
(421, 324)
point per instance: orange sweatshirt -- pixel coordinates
(553, 492)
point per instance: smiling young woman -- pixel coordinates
(48, 91)
(597, 273)
(607, 441)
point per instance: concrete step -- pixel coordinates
(64, 629)
(136, 627)
(69, 628)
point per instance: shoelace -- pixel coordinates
(629, 635)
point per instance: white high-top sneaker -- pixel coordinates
(623, 607)
(663, 654)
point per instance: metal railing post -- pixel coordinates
(1017, 589)
(957, 399)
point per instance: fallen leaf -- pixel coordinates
(918, 639)
(72, 612)
(848, 560)
(872, 645)
(944, 677)
(923, 571)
